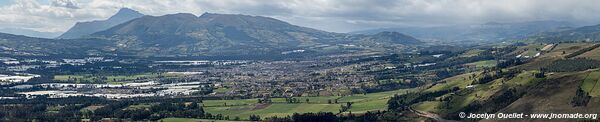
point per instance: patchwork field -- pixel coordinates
(276, 109)
(460, 81)
(111, 79)
(472, 53)
(558, 52)
(243, 108)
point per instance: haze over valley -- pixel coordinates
(331, 61)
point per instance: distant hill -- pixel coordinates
(586, 33)
(22, 45)
(491, 31)
(31, 33)
(81, 29)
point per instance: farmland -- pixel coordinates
(111, 79)
(463, 98)
(590, 84)
(482, 64)
(243, 108)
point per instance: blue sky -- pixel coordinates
(5, 2)
(329, 15)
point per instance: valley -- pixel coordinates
(222, 67)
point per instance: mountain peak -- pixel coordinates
(81, 29)
(125, 13)
(127, 10)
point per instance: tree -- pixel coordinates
(254, 118)
(348, 104)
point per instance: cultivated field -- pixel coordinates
(590, 84)
(243, 108)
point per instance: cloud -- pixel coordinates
(330, 15)
(65, 3)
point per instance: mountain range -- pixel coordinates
(31, 33)
(586, 33)
(210, 34)
(129, 32)
(491, 31)
(30, 46)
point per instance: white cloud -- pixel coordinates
(331, 15)
(65, 3)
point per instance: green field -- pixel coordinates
(429, 106)
(472, 53)
(221, 90)
(460, 81)
(243, 108)
(139, 106)
(276, 109)
(482, 64)
(532, 49)
(590, 85)
(192, 120)
(371, 105)
(372, 96)
(209, 103)
(311, 100)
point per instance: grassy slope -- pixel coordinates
(531, 49)
(483, 91)
(276, 109)
(460, 81)
(555, 54)
(210, 103)
(593, 54)
(552, 96)
(590, 84)
(465, 96)
(485, 63)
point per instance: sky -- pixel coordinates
(328, 15)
